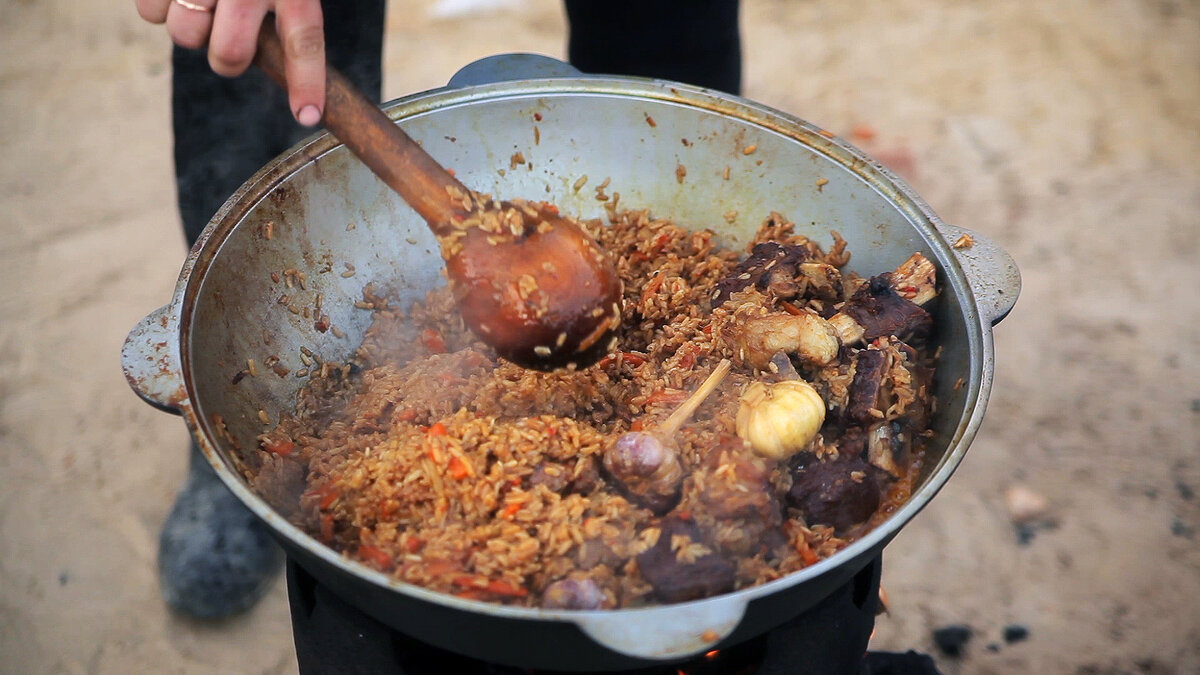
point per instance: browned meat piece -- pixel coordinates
(587, 477)
(674, 580)
(594, 552)
(870, 369)
(280, 481)
(882, 312)
(573, 593)
(553, 476)
(771, 266)
(562, 478)
(841, 493)
(737, 502)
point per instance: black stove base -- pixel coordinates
(332, 636)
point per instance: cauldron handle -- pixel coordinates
(990, 270)
(508, 67)
(150, 359)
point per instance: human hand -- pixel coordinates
(229, 28)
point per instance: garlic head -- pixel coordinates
(778, 420)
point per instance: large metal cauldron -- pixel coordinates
(325, 210)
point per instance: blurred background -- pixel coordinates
(1068, 132)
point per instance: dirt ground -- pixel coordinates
(1068, 132)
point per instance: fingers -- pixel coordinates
(190, 22)
(301, 29)
(235, 35)
(154, 11)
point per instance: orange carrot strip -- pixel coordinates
(376, 556)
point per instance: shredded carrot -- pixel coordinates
(790, 308)
(433, 341)
(330, 495)
(673, 396)
(413, 544)
(459, 469)
(376, 555)
(498, 587)
(327, 528)
(506, 589)
(511, 509)
(808, 555)
(281, 448)
(437, 429)
(632, 358)
(636, 425)
(653, 286)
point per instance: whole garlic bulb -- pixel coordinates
(779, 419)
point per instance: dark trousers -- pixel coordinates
(226, 129)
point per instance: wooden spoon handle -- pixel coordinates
(363, 128)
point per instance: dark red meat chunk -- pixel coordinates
(882, 312)
(841, 493)
(770, 266)
(675, 581)
(870, 369)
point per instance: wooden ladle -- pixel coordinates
(529, 281)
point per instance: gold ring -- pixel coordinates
(192, 6)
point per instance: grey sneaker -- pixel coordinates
(215, 559)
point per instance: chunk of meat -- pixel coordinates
(841, 493)
(737, 492)
(280, 482)
(674, 580)
(771, 268)
(867, 387)
(881, 312)
(555, 477)
(562, 478)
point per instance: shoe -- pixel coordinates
(215, 559)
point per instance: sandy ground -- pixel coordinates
(1068, 132)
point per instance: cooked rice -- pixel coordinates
(433, 461)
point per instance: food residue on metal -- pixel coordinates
(349, 271)
(579, 183)
(749, 149)
(725, 174)
(517, 158)
(964, 241)
(680, 173)
(821, 183)
(269, 230)
(649, 120)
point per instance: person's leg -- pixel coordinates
(215, 558)
(696, 42)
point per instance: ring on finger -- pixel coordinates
(193, 6)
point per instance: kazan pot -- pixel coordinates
(688, 154)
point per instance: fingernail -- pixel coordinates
(308, 116)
